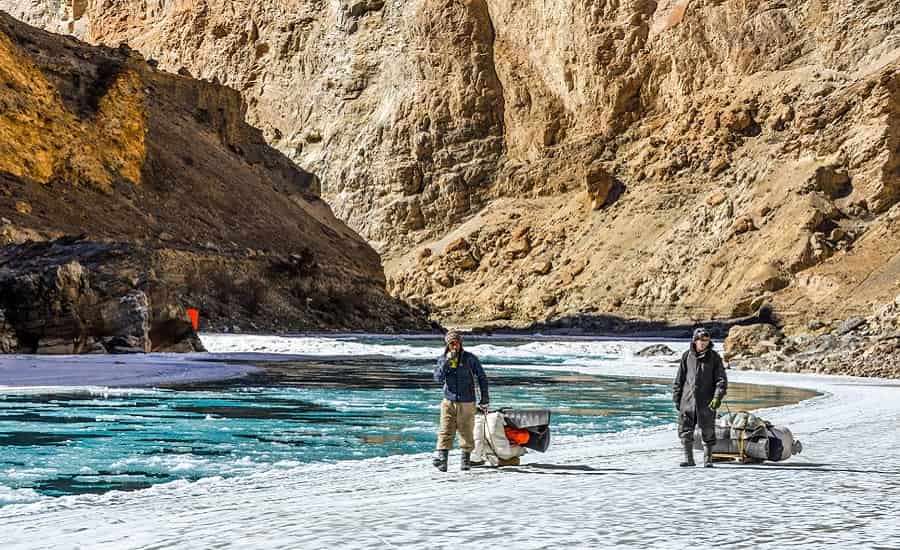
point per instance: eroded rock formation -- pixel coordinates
(182, 204)
(859, 346)
(69, 296)
(752, 147)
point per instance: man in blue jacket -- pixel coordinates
(457, 370)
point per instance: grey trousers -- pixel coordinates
(705, 417)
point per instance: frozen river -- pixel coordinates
(594, 488)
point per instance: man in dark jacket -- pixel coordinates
(457, 370)
(699, 388)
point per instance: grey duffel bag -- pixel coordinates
(526, 418)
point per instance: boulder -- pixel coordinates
(737, 119)
(455, 245)
(358, 8)
(655, 350)
(761, 212)
(837, 234)
(716, 199)
(752, 340)
(577, 266)
(833, 181)
(767, 277)
(129, 319)
(443, 279)
(599, 185)
(815, 324)
(849, 326)
(124, 344)
(541, 268)
(889, 314)
(465, 261)
(743, 224)
(518, 247)
(718, 165)
(8, 342)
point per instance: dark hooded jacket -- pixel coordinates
(459, 383)
(700, 378)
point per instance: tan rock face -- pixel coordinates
(54, 145)
(95, 141)
(423, 70)
(428, 120)
(752, 340)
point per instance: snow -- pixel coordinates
(620, 490)
(40, 373)
(552, 349)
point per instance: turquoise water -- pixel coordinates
(79, 442)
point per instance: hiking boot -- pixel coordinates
(707, 456)
(440, 460)
(466, 463)
(688, 454)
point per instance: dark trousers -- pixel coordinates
(705, 417)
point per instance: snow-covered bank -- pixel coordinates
(503, 347)
(618, 490)
(39, 372)
(152, 369)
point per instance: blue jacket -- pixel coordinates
(459, 383)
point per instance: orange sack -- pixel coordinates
(517, 435)
(194, 316)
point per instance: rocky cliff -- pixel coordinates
(521, 160)
(71, 296)
(858, 346)
(128, 194)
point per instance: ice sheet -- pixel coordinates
(620, 490)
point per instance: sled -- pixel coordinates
(504, 435)
(745, 438)
(734, 457)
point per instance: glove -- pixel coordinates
(715, 403)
